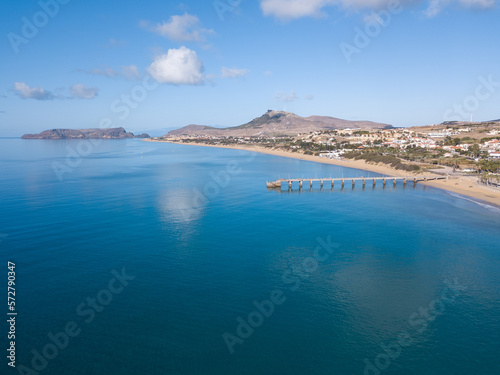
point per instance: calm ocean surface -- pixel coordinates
(390, 281)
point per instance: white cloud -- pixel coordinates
(436, 6)
(81, 91)
(26, 92)
(178, 67)
(309, 97)
(285, 97)
(371, 4)
(185, 28)
(293, 9)
(78, 91)
(233, 72)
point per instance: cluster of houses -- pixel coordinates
(404, 138)
(493, 148)
(396, 138)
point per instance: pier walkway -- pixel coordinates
(278, 183)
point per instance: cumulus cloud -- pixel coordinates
(293, 9)
(37, 93)
(286, 97)
(185, 28)
(80, 91)
(178, 67)
(233, 72)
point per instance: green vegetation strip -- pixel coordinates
(374, 157)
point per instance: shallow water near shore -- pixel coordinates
(400, 280)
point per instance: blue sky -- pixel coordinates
(158, 65)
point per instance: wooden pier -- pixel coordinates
(278, 183)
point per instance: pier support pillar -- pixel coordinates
(290, 185)
(353, 183)
(311, 184)
(404, 181)
(363, 183)
(374, 182)
(384, 182)
(414, 182)
(300, 184)
(394, 182)
(321, 184)
(342, 184)
(332, 184)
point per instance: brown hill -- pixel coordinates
(276, 123)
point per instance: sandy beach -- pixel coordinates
(467, 186)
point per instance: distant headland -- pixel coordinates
(108, 133)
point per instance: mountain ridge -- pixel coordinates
(274, 123)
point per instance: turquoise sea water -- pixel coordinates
(389, 281)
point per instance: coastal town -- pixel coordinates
(449, 148)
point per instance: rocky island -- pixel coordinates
(107, 133)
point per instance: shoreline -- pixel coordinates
(463, 185)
